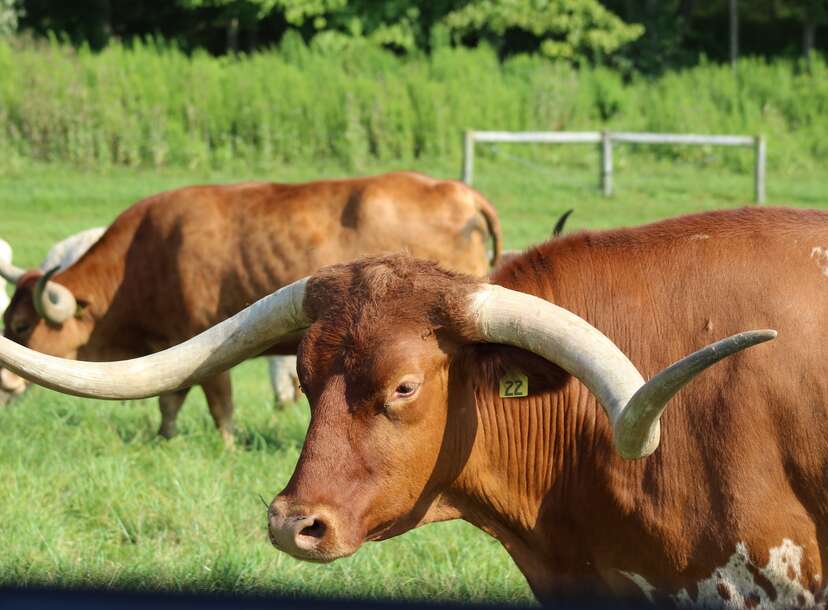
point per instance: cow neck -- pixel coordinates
(537, 480)
(543, 475)
(526, 450)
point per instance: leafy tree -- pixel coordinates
(400, 24)
(570, 29)
(563, 29)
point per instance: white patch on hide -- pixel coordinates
(698, 236)
(733, 585)
(820, 255)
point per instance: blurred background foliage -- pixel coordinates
(644, 35)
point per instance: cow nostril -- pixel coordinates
(316, 529)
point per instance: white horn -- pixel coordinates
(53, 302)
(9, 272)
(248, 333)
(515, 318)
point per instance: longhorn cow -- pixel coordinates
(281, 369)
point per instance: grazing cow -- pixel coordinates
(61, 255)
(282, 369)
(437, 396)
(175, 264)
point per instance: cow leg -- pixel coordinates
(219, 393)
(170, 404)
(283, 379)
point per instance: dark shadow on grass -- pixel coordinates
(207, 598)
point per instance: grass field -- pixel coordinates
(90, 497)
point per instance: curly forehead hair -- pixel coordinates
(390, 287)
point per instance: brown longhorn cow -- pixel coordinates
(436, 396)
(175, 264)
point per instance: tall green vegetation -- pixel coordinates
(150, 104)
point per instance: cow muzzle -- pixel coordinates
(310, 533)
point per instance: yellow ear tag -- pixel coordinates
(514, 384)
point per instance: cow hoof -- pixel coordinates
(166, 433)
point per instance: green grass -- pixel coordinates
(90, 497)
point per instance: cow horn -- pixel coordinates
(559, 226)
(248, 333)
(506, 316)
(9, 272)
(53, 302)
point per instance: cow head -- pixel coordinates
(377, 361)
(45, 316)
(376, 369)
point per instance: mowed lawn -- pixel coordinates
(90, 497)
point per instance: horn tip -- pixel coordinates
(760, 336)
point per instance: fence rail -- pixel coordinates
(607, 139)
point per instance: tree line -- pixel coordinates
(643, 35)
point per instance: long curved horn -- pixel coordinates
(506, 316)
(9, 272)
(246, 334)
(53, 302)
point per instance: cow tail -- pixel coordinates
(493, 224)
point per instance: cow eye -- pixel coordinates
(21, 328)
(406, 389)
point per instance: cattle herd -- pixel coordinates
(529, 393)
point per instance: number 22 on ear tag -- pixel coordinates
(514, 384)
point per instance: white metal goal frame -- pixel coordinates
(607, 139)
